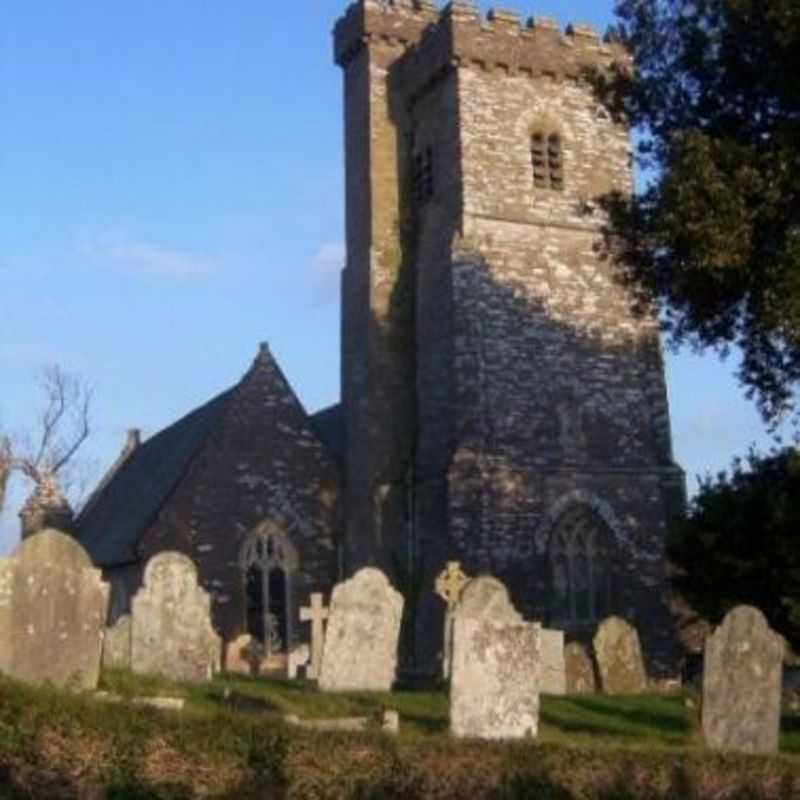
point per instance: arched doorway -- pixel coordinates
(268, 560)
(580, 571)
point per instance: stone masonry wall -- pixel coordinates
(536, 387)
(262, 464)
(377, 297)
(535, 377)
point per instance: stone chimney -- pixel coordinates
(134, 439)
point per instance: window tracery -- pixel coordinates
(579, 565)
(267, 561)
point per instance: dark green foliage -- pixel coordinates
(740, 543)
(716, 235)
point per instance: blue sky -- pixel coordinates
(172, 194)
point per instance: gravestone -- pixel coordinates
(494, 683)
(554, 678)
(298, 662)
(742, 684)
(117, 644)
(449, 585)
(619, 657)
(360, 651)
(53, 606)
(580, 677)
(244, 656)
(171, 632)
(316, 614)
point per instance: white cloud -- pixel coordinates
(326, 268)
(119, 251)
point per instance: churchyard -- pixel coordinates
(175, 714)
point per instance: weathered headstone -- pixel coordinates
(449, 585)
(171, 632)
(316, 614)
(363, 631)
(117, 644)
(244, 656)
(494, 683)
(619, 658)
(554, 677)
(742, 684)
(53, 606)
(579, 670)
(299, 659)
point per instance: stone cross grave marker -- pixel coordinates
(360, 651)
(619, 657)
(494, 685)
(53, 606)
(449, 585)
(316, 614)
(742, 679)
(171, 631)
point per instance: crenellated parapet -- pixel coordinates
(459, 36)
(393, 22)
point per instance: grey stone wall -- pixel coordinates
(377, 288)
(262, 465)
(537, 387)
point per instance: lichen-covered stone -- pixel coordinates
(360, 651)
(580, 676)
(495, 673)
(554, 676)
(742, 684)
(53, 606)
(117, 644)
(171, 631)
(619, 657)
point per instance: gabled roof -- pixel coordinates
(129, 501)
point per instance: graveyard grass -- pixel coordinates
(230, 742)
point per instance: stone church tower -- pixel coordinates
(504, 406)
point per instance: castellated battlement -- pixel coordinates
(458, 35)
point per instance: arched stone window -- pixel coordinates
(268, 560)
(547, 159)
(580, 568)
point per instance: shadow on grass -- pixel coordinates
(790, 734)
(621, 718)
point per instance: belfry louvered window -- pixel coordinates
(548, 161)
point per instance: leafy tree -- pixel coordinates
(715, 236)
(740, 542)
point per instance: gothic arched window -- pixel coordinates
(548, 160)
(268, 560)
(579, 568)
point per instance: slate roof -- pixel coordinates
(129, 500)
(328, 424)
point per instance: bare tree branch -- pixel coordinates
(5, 467)
(64, 425)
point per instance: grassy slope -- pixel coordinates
(230, 742)
(642, 722)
